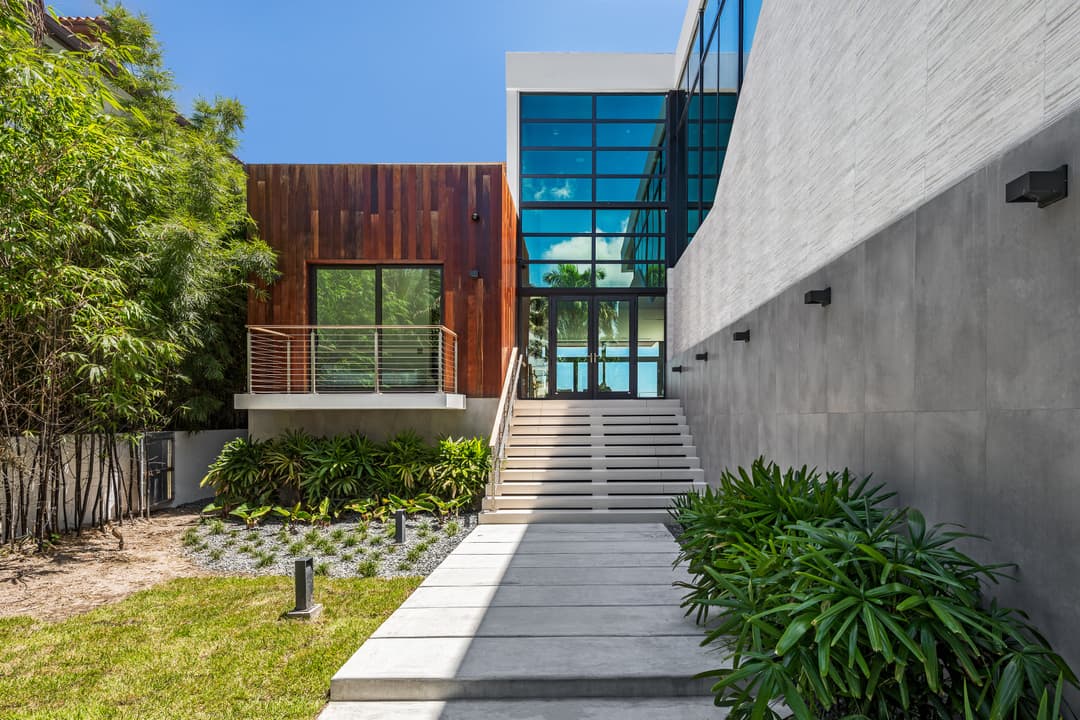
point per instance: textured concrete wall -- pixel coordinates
(854, 113)
(948, 365)
(475, 420)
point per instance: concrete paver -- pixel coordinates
(537, 621)
(572, 709)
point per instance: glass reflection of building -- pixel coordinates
(709, 82)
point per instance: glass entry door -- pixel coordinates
(591, 346)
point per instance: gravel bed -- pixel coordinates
(346, 548)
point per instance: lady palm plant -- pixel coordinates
(839, 609)
(287, 460)
(239, 474)
(409, 461)
(463, 468)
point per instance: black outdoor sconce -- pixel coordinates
(677, 368)
(474, 274)
(742, 336)
(702, 356)
(818, 297)
(1045, 187)
(475, 216)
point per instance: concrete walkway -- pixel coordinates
(537, 621)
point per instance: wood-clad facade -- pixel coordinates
(317, 215)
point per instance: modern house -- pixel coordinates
(394, 309)
(835, 234)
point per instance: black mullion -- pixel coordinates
(742, 48)
(592, 182)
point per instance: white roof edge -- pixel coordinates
(685, 35)
(582, 71)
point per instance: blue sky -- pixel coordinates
(380, 80)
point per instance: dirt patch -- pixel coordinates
(81, 574)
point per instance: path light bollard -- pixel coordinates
(304, 577)
(399, 527)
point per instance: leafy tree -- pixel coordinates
(125, 258)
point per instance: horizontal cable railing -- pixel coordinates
(351, 359)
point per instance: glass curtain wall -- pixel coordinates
(593, 191)
(709, 86)
(594, 236)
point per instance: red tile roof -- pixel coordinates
(85, 26)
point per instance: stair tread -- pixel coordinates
(594, 461)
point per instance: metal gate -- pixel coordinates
(158, 454)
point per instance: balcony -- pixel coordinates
(326, 367)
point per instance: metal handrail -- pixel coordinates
(351, 359)
(503, 413)
(274, 328)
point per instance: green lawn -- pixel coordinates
(192, 648)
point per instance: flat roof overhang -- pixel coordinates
(349, 401)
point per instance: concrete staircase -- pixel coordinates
(575, 461)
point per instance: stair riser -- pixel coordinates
(596, 419)
(658, 502)
(602, 463)
(604, 430)
(563, 488)
(620, 405)
(597, 441)
(574, 516)
(567, 451)
(656, 475)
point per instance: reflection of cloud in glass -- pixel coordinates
(606, 249)
(546, 192)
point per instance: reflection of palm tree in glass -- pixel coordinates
(567, 275)
(572, 317)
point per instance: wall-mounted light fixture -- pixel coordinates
(475, 216)
(742, 336)
(677, 368)
(702, 356)
(1045, 187)
(818, 297)
(474, 273)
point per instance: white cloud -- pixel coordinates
(606, 249)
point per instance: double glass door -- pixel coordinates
(593, 346)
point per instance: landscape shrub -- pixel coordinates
(832, 605)
(308, 477)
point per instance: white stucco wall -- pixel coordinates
(851, 115)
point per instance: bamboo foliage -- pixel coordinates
(124, 255)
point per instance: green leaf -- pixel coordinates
(793, 633)
(1008, 690)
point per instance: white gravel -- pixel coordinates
(347, 548)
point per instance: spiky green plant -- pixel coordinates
(839, 608)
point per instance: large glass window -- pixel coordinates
(710, 80)
(375, 328)
(593, 188)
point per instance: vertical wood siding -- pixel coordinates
(312, 214)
